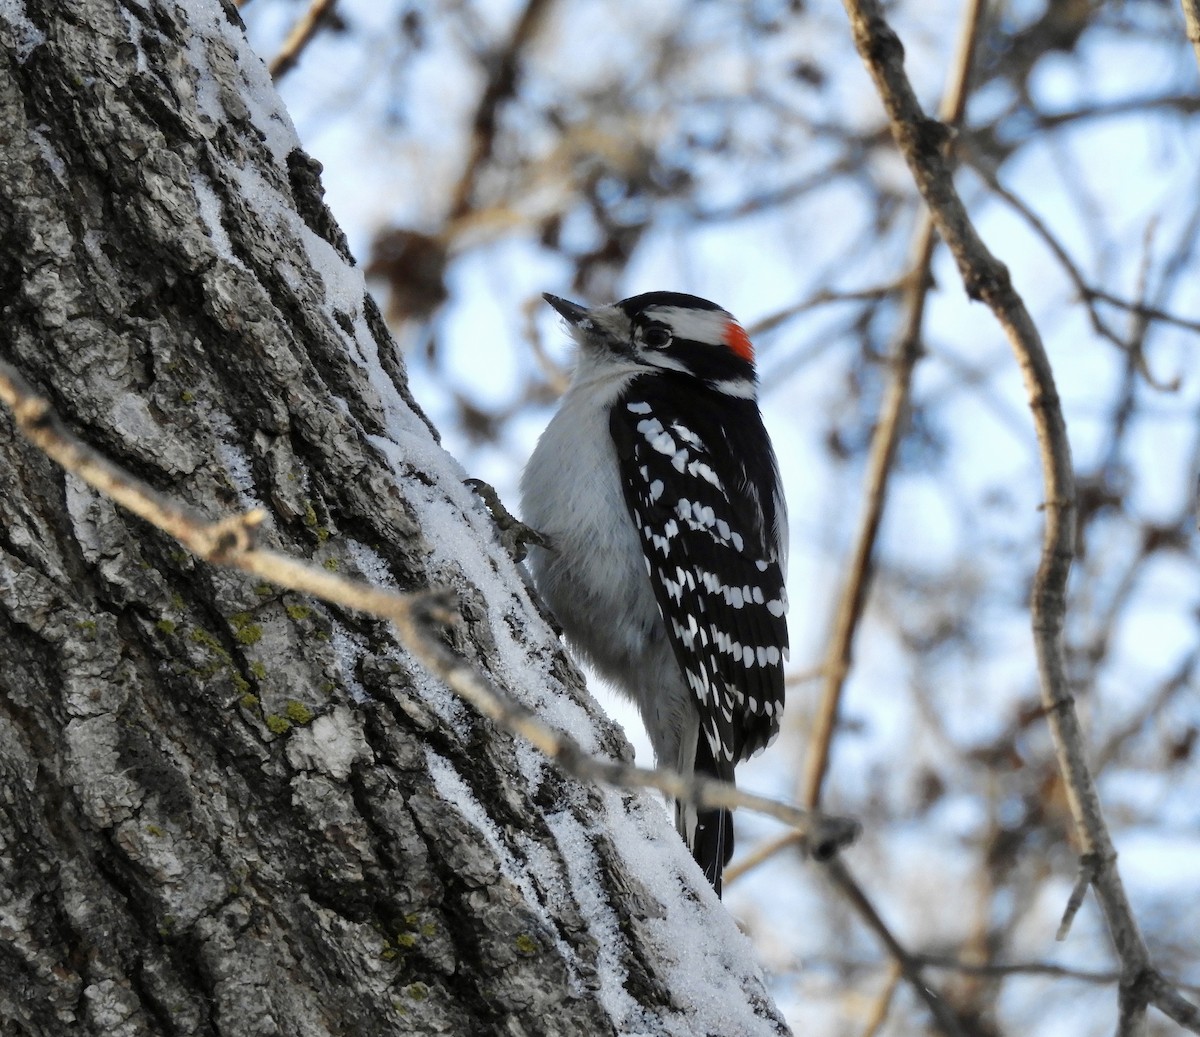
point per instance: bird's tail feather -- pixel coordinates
(711, 837)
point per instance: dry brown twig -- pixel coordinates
(1028, 968)
(909, 964)
(1191, 18)
(301, 35)
(883, 1003)
(824, 297)
(888, 432)
(417, 618)
(921, 141)
(504, 69)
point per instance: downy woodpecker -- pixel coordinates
(658, 490)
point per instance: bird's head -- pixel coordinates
(668, 332)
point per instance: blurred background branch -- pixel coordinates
(306, 27)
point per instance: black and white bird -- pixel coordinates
(657, 489)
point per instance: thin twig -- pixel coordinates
(920, 141)
(759, 855)
(1088, 293)
(505, 69)
(1191, 18)
(302, 33)
(1167, 999)
(845, 883)
(1089, 866)
(1099, 977)
(1139, 309)
(883, 1003)
(824, 297)
(419, 620)
(1180, 104)
(1029, 968)
(893, 420)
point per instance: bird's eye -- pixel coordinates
(657, 336)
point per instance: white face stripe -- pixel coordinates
(665, 360)
(742, 388)
(707, 326)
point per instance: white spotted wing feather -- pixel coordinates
(710, 522)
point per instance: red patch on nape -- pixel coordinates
(737, 340)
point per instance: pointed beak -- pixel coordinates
(571, 312)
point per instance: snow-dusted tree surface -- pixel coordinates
(226, 809)
(481, 153)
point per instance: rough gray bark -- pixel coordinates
(223, 809)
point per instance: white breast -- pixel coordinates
(595, 579)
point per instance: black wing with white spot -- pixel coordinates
(705, 498)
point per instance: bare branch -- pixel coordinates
(1029, 968)
(501, 86)
(1183, 104)
(883, 1003)
(892, 421)
(985, 278)
(825, 297)
(1191, 17)
(1088, 293)
(1089, 866)
(845, 883)
(419, 620)
(759, 855)
(301, 35)
(1167, 999)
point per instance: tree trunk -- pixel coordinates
(225, 809)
